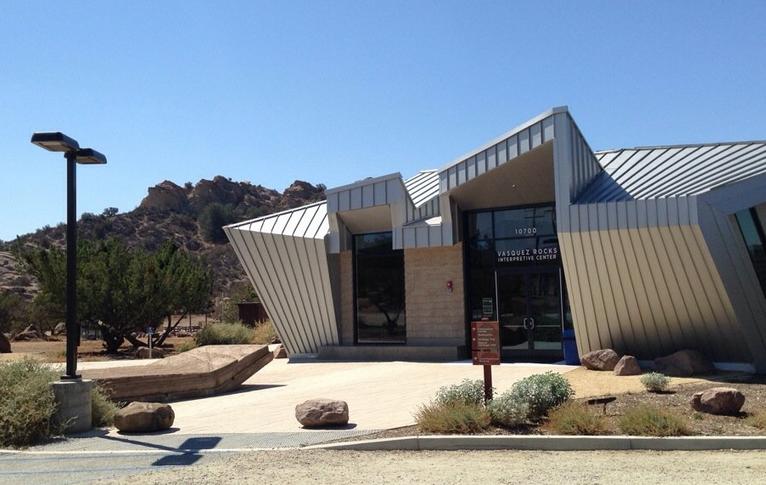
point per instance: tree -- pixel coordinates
(123, 290)
(11, 311)
(212, 219)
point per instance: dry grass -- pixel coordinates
(574, 418)
(452, 418)
(758, 419)
(264, 333)
(647, 420)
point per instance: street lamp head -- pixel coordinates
(55, 141)
(89, 156)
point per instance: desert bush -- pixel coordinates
(466, 392)
(655, 381)
(452, 417)
(508, 412)
(224, 334)
(264, 333)
(27, 404)
(186, 345)
(645, 420)
(575, 418)
(758, 419)
(541, 393)
(102, 408)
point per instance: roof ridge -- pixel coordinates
(680, 145)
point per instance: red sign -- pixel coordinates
(485, 343)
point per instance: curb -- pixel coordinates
(551, 443)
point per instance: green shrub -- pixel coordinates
(264, 333)
(102, 408)
(655, 381)
(508, 412)
(452, 417)
(575, 418)
(758, 420)
(467, 392)
(645, 420)
(541, 393)
(27, 404)
(224, 334)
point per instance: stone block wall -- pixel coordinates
(435, 315)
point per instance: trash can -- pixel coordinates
(570, 347)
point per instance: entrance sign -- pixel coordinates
(487, 307)
(485, 343)
(485, 347)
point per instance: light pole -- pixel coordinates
(59, 142)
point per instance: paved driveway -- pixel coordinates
(379, 394)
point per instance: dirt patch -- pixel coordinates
(89, 350)
(676, 400)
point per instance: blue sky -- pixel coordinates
(332, 92)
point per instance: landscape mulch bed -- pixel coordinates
(676, 400)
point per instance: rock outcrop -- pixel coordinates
(322, 412)
(165, 196)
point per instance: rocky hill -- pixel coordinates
(170, 212)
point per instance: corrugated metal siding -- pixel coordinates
(731, 260)
(388, 189)
(641, 281)
(671, 171)
(422, 187)
(285, 257)
(517, 142)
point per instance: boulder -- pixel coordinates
(165, 196)
(144, 417)
(684, 363)
(604, 359)
(627, 366)
(143, 353)
(322, 412)
(718, 400)
(59, 329)
(5, 344)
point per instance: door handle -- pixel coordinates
(529, 323)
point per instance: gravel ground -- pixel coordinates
(462, 467)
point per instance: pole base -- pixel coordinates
(74, 404)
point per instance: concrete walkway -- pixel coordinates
(380, 395)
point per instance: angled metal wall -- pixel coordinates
(285, 257)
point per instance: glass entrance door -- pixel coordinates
(529, 311)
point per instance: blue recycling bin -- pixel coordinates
(570, 347)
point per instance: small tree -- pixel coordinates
(212, 219)
(123, 290)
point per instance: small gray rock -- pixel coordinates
(144, 417)
(322, 412)
(604, 359)
(627, 366)
(718, 400)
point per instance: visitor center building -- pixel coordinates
(645, 250)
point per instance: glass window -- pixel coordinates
(380, 310)
(479, 226)
(527, 222)
(752, 233)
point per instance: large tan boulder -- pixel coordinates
(604, 359)
(718, 400)
(322, 412)
(5, 344)
(144, 353)
(627, 366)
(144, 417)
(684, 363)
